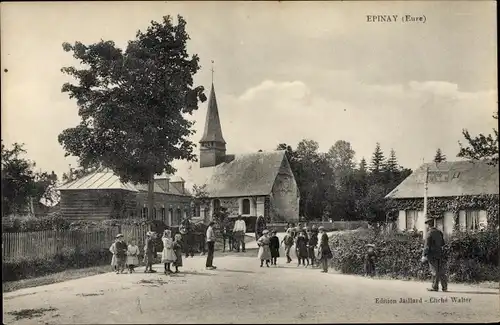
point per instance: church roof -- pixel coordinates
(447, 179)
(213, 129)
(250, 174)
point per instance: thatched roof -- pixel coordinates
(447, 179)
(251, 174)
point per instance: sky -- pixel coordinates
(284, 71)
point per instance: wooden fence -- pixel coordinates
(51, 242)
(48, 243)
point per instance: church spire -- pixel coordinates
(213, 129)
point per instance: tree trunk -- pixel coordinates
(151, 196)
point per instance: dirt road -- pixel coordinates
(239, 291)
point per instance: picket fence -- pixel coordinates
(48, 243)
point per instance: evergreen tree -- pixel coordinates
(439, 157)
(392, 163)
(378, 158)
(363, 166)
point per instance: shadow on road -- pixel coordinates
(476, 292)
(180, 275)
(236, 271)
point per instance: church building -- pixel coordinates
(251, 184)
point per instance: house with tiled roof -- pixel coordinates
(101, 195)
(462, 195)
(251, 184)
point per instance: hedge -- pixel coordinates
(471, 257)
(22, 268)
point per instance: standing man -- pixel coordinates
(239, 231)
(210, 246)
(433, 254)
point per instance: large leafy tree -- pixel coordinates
(481, 147)
(341, 159)
(133, 103)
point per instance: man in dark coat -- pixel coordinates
(149, 253)
(433, 254)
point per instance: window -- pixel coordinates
(245, 206)
(154, 213)
(163, 215)
(197, 211)
(144, 213)
(178, 218)
(411, 218)
(472, 219)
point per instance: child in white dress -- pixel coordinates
(132, 256)
(168, 255)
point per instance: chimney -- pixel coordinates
(164, 183)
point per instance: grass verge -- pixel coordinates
(55, 278)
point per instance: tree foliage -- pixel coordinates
(481, 147)
(20, 183)
(439, 157)
(378, 158)
(134, 103)
(332, 187)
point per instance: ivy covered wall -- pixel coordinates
(440, 205)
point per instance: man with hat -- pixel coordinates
(149, 253)
(433, 254)
(121, 254)
(324, 251)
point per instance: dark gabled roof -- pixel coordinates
(251, 174)
(213, 129)
(447, 179)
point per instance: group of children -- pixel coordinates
(305, 241)
(127, 256)
(124, 256)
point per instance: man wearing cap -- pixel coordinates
(210, 246)
(149, 251)
(121, 254)
(433, 254)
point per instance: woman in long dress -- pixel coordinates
(168, 255)
(177, 246)
(264, 250)
(324, 251)
(112, 249)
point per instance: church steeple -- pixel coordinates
(212, 144)
(213, 129)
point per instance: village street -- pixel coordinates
(239, 291)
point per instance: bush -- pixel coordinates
(471, 256)
(22, 268)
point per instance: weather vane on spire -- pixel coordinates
(212, 71)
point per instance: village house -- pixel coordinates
(462, 196)
(101, 195)
(251, 185)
